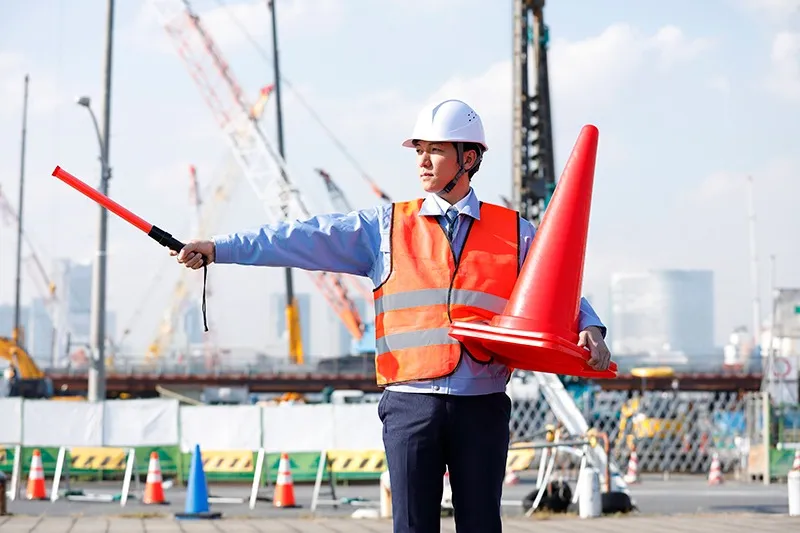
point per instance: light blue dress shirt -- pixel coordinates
(358, 243)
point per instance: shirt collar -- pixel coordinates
(435, 205)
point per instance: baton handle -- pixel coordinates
(165, 239)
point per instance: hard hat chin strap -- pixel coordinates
(460, 158)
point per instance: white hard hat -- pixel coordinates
(448, 121)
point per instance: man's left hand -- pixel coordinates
(592, 337)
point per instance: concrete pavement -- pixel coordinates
(728, 523)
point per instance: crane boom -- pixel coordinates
(262, 165)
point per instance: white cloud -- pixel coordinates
(673, 46)
(603, 63)
(717, 185)
(784, 76)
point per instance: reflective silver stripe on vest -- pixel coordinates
(425, 297)
(413, 339)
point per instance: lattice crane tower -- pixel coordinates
(533, 164)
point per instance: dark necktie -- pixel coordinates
(452, 216)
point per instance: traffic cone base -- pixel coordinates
(529, 350)
(197, 507)
(537, 330)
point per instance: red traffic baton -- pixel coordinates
(154, 232)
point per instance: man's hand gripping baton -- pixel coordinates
(154, 232)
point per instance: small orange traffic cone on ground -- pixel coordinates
(715, 475)
(36, 490)
(154, 488)
(511, 478)
(796, 463)
(632, 475)
(284, 487)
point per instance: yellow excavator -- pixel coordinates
(25, 378)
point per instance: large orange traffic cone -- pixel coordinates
(154, 487)
(36, 490)
(284, 486)
(538, 329)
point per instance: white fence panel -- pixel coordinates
(10, 420)
(141, 423)
(357, 427)
(62, 423)
(298, 428)
(220, 427)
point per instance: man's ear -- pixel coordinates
(470, 157)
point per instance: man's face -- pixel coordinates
(438, 164)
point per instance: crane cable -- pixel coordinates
(314, 115)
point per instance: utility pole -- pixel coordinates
(751, 216)
(97, 371)
(292, 318)
(17, 333)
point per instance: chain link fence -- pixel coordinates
(671, 431)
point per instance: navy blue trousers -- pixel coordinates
(424, 432)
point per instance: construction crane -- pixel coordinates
(262, 165)
(45, 285)
(205, 217)
(206, 213)
(533, 165)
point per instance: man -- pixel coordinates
(443, 257)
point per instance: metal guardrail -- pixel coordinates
(352, 365)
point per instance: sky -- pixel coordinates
(689, 97)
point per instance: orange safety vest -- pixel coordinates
(426, 290)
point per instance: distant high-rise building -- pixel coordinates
(663, 311)
(73, 283)
(311, 342)
(7, 319)
(39, 332)
(343, 344)
(193, 324)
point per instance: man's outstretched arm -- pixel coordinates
(333, 243)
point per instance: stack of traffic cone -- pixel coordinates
(715, 475)
(154, 488)
(284, 486)
(36, 490)
(538, 330)
(796, 463)
(632, 475)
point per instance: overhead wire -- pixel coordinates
(314, 115)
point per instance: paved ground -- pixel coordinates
(684, 494)
(729, 523)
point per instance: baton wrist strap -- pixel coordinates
(165, 239)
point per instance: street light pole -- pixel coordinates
(18, 337)
(97, 372)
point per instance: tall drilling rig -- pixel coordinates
(533, 164)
